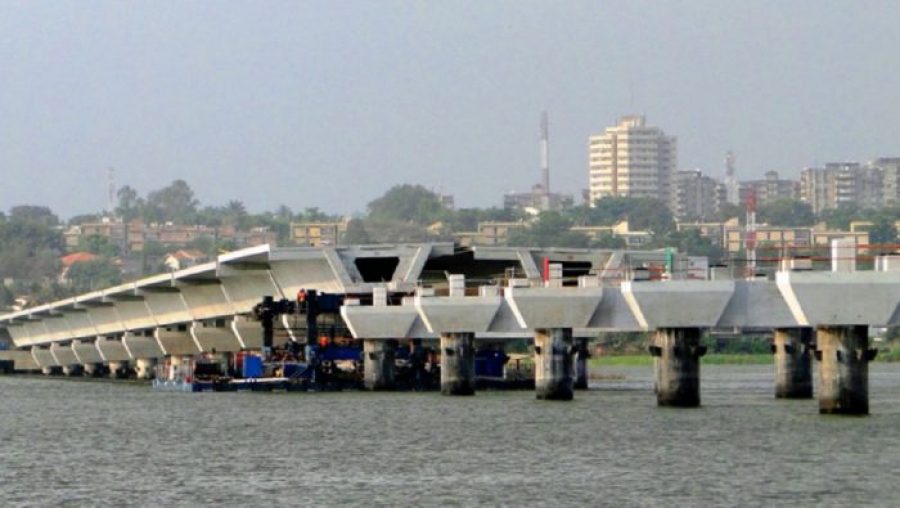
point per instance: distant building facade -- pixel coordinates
(317, 234)
(696, 196)
(769, 189)
(845, 183)
(632, 160)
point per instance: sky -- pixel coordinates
(329, 104)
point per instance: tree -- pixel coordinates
(551, 229)
(608, 241)
(642, 214)
(174, 203)
(729, 211)
(787, 213)
(98, 244)
(88, 276)
(33, 214)
(130, 204)
(839, 218)
(30, 244)
(356, 233)
(408, 203)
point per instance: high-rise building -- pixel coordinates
(632, 160)
(769, 189)
(842, 183)
(890, 179)
(696, 196)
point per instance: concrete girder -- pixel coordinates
(206, 300)
(43, 357)
(841, 298)
(210, 335)
(57, 328)
(306, 269)
(678, 303)
(37, 332)
(134, 313)
(143, 345)
(177, 340)
(86, 352)
(80, 324)
(541, 308)
(64, 354)
(105, 318)
(167, 306)
(113, 349)
(458, 314)
(246, 287)
(19, 334)
(247, 331)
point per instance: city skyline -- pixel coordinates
(316, 105)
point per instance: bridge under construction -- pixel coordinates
(461, 298)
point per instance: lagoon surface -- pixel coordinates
(86, 443)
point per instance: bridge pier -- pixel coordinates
(582, 354)
(677, 353)
(118, 370)
(793, 363)
(458, 363)
(145, 368)
(844, 355)
(378, 364)
(554, 363)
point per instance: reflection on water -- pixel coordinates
(89, 443)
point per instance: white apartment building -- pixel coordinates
(632, 160)
(844, 183)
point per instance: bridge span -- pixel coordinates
(458, 297)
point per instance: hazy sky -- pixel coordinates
(328, 104)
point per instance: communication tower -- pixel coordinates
(545, 152)
(750, 234)
(731, 187)
(111, 189)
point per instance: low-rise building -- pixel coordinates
(316, 234)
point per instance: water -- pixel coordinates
(88, 443)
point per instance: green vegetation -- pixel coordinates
(641, 360)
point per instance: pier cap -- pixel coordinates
(458, 313)
(841, 298)
(677, 303)
(554, 307)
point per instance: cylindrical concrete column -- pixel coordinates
(145, 368)
(92, 369)
(582, 354)
(73, 370)
(793, 363)
(844, 355)
(118, 369)
(378, 364)
(677, 353)
(554, 363)
(458, 363)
